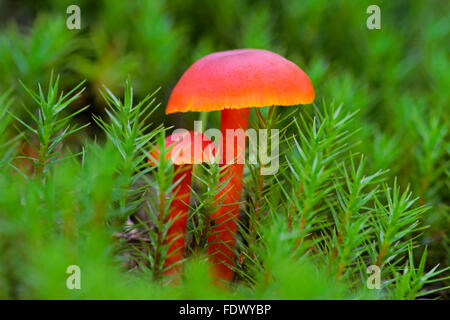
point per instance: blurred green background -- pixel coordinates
(398, 77)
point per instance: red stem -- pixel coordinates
(178, 213)
(222, 242)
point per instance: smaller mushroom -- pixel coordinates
(186, 149)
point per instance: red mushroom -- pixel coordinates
(184, 153)
(233, 81)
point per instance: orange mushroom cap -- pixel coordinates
(238, 79)
(186, 147)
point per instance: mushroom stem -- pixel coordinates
(223, 236)
(178, 212)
